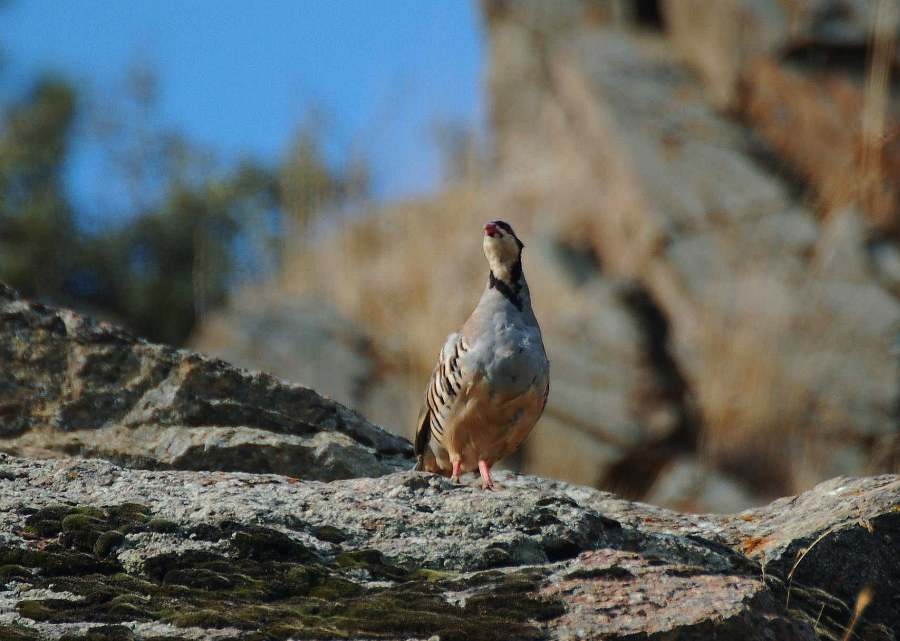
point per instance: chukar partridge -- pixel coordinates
(492, 378)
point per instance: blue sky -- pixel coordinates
(238, 76)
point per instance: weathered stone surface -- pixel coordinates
(207, 555)
(72, 386)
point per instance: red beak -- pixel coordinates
(490, 229)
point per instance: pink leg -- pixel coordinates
(487, 483)
(455, 476)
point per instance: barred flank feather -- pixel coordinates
(442, 391)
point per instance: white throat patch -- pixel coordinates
(501, 254)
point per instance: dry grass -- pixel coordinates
(863, 600)
(410, 274)
(837, 134)
(752, 412)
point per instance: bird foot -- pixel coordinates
(454, 474)
(487, 483)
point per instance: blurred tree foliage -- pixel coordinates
(194, 231)
(36, 222)
(308, 184)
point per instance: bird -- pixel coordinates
(492, 378)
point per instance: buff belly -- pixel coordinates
(486, 428)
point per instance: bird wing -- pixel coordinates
(443, 390)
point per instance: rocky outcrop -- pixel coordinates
(93, 551)
(69, 385)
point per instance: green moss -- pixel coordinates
(129, 612)
(107, 542)
(267, 585)
(47, 522)
(66, 563)
(86, 528)
(199, 578)
(162, 525)
(301, 575)
(17, 633)
(334, 588)
(329, 534)
(128, 584)
(88, 510)
(431, 576)
(42, 528)
(205, 618)
(13, 571)
(373, 563)
(128, 514)
(51, 512)
(102, 633)
(38, 610)
(79, 521)
(261, 543)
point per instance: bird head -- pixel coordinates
(503, 250)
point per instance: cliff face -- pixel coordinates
(781, 314)
(710, 243)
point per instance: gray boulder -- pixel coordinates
(72, 386)
(93, 551)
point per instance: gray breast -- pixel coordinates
(516, 362)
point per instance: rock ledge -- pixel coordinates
(89, 550)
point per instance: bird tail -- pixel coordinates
(420, 463)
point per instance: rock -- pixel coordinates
(798, 73)
(207, 555)
(73, 386)
(886, 260)
(309, 342)
(841, 253)
(724, 39)
(691, 486)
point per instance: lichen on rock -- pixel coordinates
(73, 386)
(88, 548)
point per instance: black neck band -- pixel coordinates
(510, 292)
